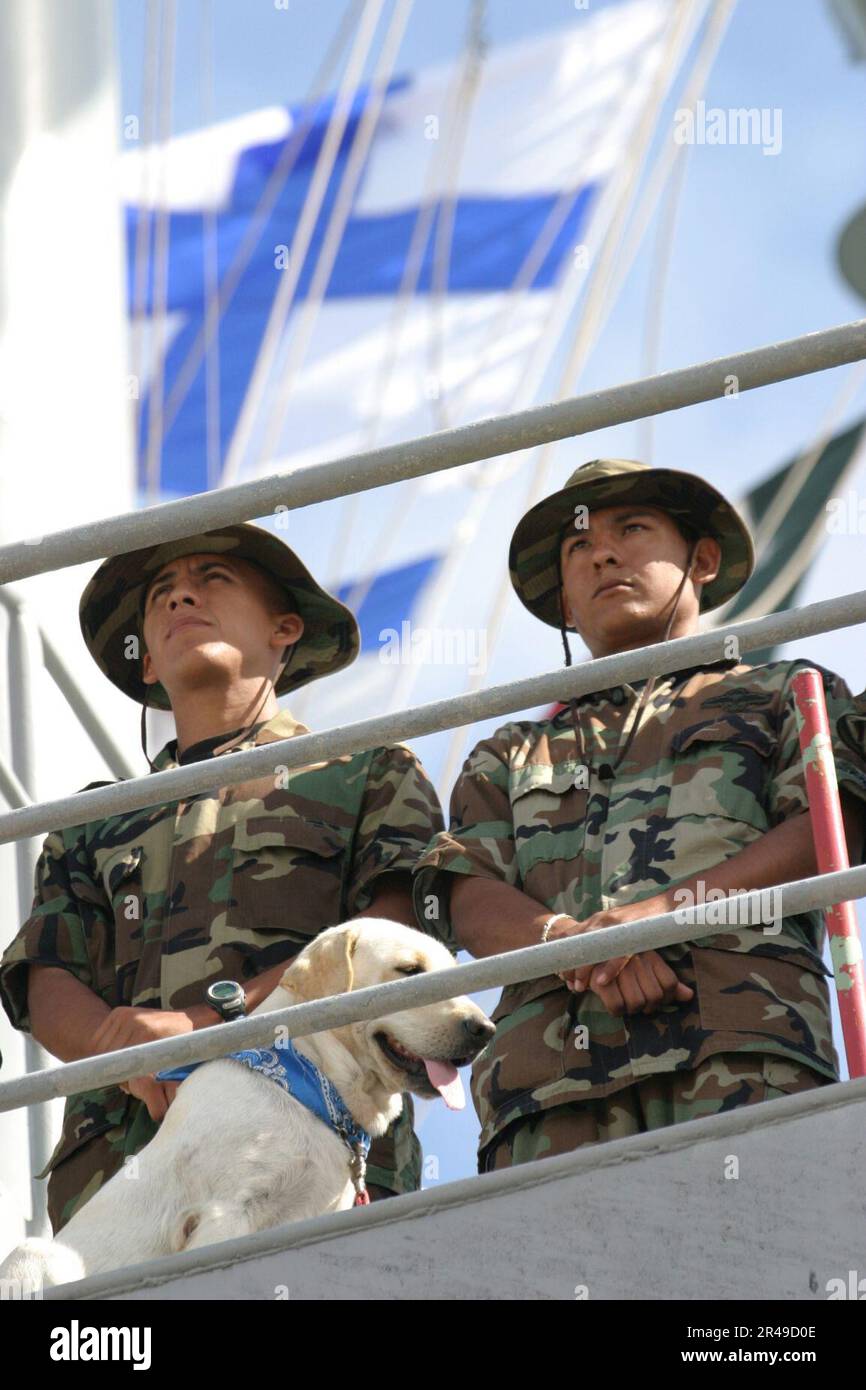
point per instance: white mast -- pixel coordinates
(65, 440)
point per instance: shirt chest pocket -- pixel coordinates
(287, 876)
(721, 771)
(548, 811)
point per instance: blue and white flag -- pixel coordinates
(546, 128)
(480, 194)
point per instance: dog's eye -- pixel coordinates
(409, 969)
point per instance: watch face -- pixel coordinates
(224, 990)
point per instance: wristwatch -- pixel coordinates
(228, 998)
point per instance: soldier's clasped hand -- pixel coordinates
(641, 983)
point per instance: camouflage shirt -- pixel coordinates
(149, 907)
(714, 764)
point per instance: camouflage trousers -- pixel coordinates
(394, 1165)
(721, 1083)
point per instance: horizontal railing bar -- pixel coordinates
(304, 749)
(510, 967)
(433, 453)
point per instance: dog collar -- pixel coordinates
(301, 1078)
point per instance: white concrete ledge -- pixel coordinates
(651, 1217)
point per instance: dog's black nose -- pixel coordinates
(479, 1030)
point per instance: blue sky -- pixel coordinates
(753, 262)
(263, 54)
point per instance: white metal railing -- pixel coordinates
(528, 963)
(432, 453)
(448, 449)
(287, 754)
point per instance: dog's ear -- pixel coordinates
(325, 966)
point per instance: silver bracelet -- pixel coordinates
(557, 916)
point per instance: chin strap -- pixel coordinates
(563, 631)
(151, 765)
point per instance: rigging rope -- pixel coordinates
(159, 294)
(210, 269)
(270, 344)
(301, 327)
(252, 234)
(666, 227)
(600, 296)
(141, 251)
(477, 45)
(439, 169)
(501, 470)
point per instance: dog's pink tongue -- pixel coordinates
(446, 1079)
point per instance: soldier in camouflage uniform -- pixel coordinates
(135, 915)
(619, 807)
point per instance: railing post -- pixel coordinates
(54, 664)
(25, 659)
(831, 852)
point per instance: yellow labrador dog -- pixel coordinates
(236, 1153)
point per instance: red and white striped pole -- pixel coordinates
(831, 851)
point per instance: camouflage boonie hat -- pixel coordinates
(533, 559)
(110, 608)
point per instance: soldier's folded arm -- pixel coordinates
(68, 1016)
(64, 1014)
(476, 855)
(47, 983)
(488, 916)
(468, 884)
(46, 976)
(786, 851)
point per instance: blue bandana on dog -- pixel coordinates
(301, 1078)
